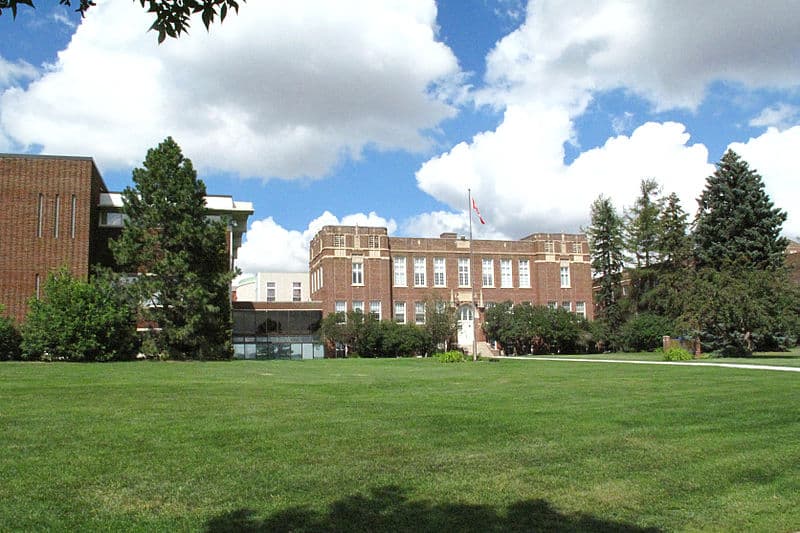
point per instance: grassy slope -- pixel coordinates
(397, 444)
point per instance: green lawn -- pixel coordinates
(397, 445)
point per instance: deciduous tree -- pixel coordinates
(172, 17)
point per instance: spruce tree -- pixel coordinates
(674, 244)
(737, 224)
(642, 224)
(607, 245)
(180, 256)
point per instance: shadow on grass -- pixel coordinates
(388, 509)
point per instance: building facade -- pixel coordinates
(362, 268)
(272, 287)
(56, 212)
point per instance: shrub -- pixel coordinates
(453, 356)
(9, 339)
(79, 321)
(644, 332)
(677, 354)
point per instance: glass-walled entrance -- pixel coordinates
(281, 334)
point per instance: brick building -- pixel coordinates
(56, 211)
(362, 268)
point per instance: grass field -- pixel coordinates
(397, 445)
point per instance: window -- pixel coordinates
(420, 272)
(419, 312)
(37, 284)
(505, 273)
(441, 306)
(549, 247)
(56, 216)
(565, 276)
(463, 272)
(400, 312)
(39, 217)
(399, 271)
(552, 306)
(72, 217)
(338, 241)
(320, 278)
(580, 309)
(524, 273)
(375, 308)
(488, 272)
(358, 272)
(577, 248)
(296, 291)
(271, 290)
(374, 241)
(438, 272)
(341, 307)
(112, 219)
(358, 306)
(566, 306)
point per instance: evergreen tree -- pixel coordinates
(181, 257)
(642, 224)
(607, 245)
(736, 223)
(674, 243)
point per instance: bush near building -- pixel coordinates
(75, 320)
(9, 338)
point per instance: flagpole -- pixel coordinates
(472, 279)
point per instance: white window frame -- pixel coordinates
(420, 272)
(399, 271)
(487, 272)
(358, 306)
(549, 247)
(566, 306)
(565, 276)
(338, 241)
(357, 273)
(464, 277)
(439, 272)
(506, 273)
(400, 312)
(272, 286)
(419, 312)
(580, 309)
(375, 308)
(297, 291)
(524, 273)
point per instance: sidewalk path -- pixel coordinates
(673, 363)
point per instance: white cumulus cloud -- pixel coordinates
(771, 154)
(269, 247)
(282, 89)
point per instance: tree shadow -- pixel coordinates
(389, 509)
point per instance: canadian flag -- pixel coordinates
(475, 207)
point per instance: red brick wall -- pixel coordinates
(23, 254)
(545, 274)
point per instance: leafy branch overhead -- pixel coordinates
(173, 17)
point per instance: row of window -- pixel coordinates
(574, 247)
(272, 290)
(399, 314)
(464, 277)
(40, 215)
(372, 241)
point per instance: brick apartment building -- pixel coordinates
(56, 211)
(362, 268)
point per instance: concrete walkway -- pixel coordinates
(673, 363)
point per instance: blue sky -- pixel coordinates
(385, 112)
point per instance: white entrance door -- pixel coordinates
(466, 332)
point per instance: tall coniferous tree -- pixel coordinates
(181, 257)
(642, 224)
(737, 223)
(674, 243)
(607, 245)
